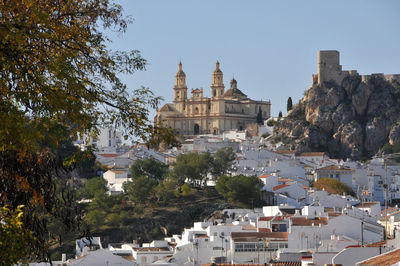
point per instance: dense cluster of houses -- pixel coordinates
(302, 225)
(273, 235)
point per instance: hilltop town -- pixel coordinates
(307, 208)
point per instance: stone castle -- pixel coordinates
(329, 69)
(223, 111)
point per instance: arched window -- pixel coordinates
(196, 129)
(196, 110)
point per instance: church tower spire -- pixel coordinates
(217, 85)
(180, 88)
(180, 77)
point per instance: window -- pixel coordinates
(144, 259)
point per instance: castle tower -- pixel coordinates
(329, 68)
(180, 87)
(217, 85)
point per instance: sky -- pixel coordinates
(270, 47)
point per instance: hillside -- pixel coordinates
(343, 113)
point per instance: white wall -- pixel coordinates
(350, 256)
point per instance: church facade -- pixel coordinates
(223, 111)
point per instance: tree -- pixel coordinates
(192, 166)
(58, 74)
(289, 105)
(149, 167)
(93, 186)
(333, 186)
(140, 188)
(239, 189)
(280, 114)
(260, 120)
(222, 161)
(13, 236)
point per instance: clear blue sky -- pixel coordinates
(269, 46)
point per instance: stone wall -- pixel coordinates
(329, 69)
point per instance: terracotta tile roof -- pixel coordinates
(305, 187)
(280, 186)
(118, 171)
(303, 221)
(312, 154)
(249, 227)
(269, 218)
(376, 244)
(264, 230)
(335, 168)
(334, 214)
(389, 209)
(151, 249)
(285, 179)
(254, 236)
(265, 176)
(388, 258)
(109, 155)
(367, 204)
(283, 263)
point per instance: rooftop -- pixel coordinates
(280, 186)
(255, 236)
(311, 154)
(335, 168)
(303, 221)
(388, 258)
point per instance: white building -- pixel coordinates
(115, 179)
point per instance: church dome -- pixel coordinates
(234, 91)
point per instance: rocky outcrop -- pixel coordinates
(353, 119)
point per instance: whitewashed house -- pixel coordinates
(115, 179)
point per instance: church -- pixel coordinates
(223, 111)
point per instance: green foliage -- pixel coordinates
(271, 123)
(167, 190)
(140, 189)
(149, 167)
(289, 104)
(93, 186)
(186, 190)
(57, 73)
(114, 219)
(260, 119)
(333, 186)
(265, 135)
(222, 161)
(13, 236)
(240, 189)
(138, 209)
(192, 166)
(95, 218)
(389, 149)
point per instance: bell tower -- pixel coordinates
(180, 89)
(217, 85)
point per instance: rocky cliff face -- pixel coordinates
(353, 119)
